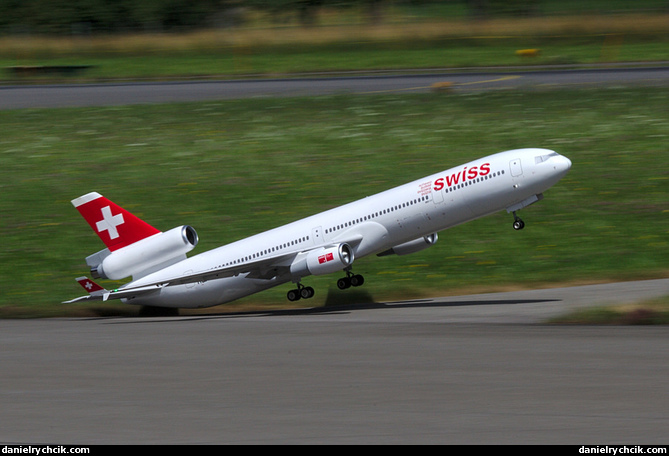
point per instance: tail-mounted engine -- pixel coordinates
(145, 256)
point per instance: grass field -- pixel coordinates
(238, 167)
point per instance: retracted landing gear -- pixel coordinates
(351, 280)
(301, 292)
(518, 223)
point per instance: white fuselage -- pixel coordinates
(507, 180)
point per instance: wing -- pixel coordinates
(271, 267)
(266, 268)
(291, 263)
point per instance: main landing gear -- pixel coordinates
(518, 223)
(302, 292)
(351, 280)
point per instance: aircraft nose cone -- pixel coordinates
(564, 164)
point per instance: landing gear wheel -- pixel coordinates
(344, 283)
(518, 223)
(307, 292)
(301, 292)
(351, 280)
(357, 280)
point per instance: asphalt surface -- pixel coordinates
(461, 370)
(111, 94)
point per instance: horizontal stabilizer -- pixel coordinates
(95, 291)
(98, 293)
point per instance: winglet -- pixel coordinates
(115, 226)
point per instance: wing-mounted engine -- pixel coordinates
(324, 260)
(412, 246)
(145, 256)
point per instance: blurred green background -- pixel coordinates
(217, 38)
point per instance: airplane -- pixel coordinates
(399, 221)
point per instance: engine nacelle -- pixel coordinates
(412, 246)
(324, 260)
(147, 255)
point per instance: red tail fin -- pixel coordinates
(114, 225)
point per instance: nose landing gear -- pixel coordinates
(518, 223)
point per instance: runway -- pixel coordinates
(478, 369)
(116, 94)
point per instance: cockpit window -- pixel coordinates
(542, 158)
